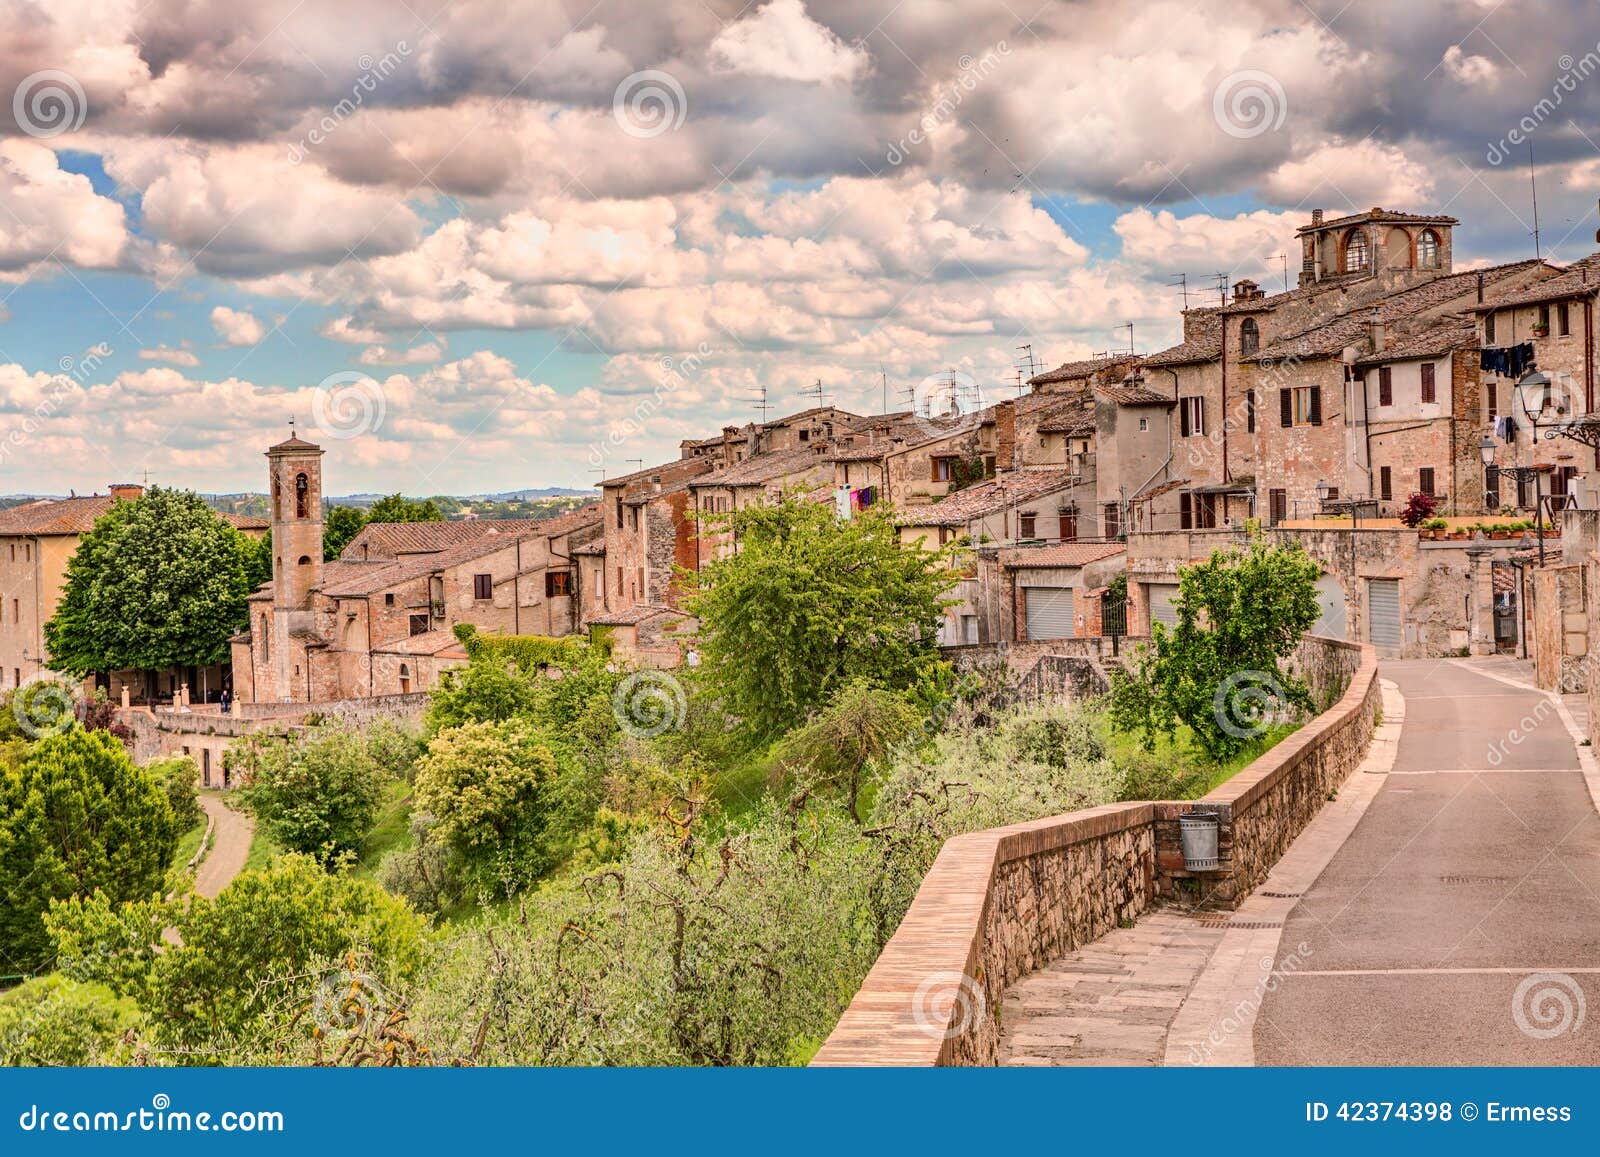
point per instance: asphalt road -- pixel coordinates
(1475, 869)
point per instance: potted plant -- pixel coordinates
(1540, 329)
(1499, 530)
(1418, 509)
(1437, 528)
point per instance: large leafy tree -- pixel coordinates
(1220, 670)
(809, 602)
(159, 582)
(318, 793)
(76, 815)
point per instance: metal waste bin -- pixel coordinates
(1198, 833)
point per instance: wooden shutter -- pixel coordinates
(1425, 479)
(1250, 412)
(1185, 511)
(1385, 483)
(1385, 387)
(1428, 391)
(1286, 407)
(1316, 405)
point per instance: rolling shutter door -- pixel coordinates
(1161, 603)
(1050, 613)
(1383, 615)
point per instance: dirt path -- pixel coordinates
(230, 844)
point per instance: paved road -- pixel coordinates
(230, 844)
(1476, 867)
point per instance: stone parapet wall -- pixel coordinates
(1001, 903)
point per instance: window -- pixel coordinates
(483, 586)
(1425, 479)
(941, 470)
(1488, 328)
(1197, 511)
(1429, 388)
(1544, 318)
(1026, 524)
(1300, 406)
(1249, 336)
(1069, 524)
(1385, 387)
(302, 496)
(388, 599)
(1333, 494)
(1113, 521)
(1491, 397)
(1277, 506)
(1428, 250)
(1491, 488)
(266, 641)
(1191, 416)
(600, 582)
(419, 624)
(619, 513)
(1144, 424)
(1355, 251)
(1385, 482)
(1563, 320)
(805, 435)
(1249, 411)
(558, 584)
(303, 560)
(633, 518)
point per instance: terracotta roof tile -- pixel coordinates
(1136, 396)
(989, 497)
(78, 515)
(1070, 371)
(1059, 554)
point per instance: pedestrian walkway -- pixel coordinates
(229, 848)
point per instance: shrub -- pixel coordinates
(54, 1020)
(317, 792)
(179, 779)
(1418, 507)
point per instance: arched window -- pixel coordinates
(1249, 336)
(305, 560)
(277, 498)
(302, 496)
(266, 640)
(1428, 250)
(1355, 251)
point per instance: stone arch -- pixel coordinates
(1428, 250)
(1355, 252)
(1249, 336)
(1397, 249)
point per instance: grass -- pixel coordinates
(189, 843)
(391, 832)
(262, 849)
(1178, 768)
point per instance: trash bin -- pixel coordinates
(1198, 833)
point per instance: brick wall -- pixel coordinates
(1001, 903)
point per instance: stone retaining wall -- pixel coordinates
(1001, 903)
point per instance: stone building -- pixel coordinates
(380, 619)
(37, 542)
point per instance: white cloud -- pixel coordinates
(381, 355)
(236, 327)
(1243, 244)
(52, 214)
(781, 40)
(170, 355)
(1468, 68)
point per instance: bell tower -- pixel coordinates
(295, 467)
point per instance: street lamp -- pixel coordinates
(1533, 395)
(1323, 490)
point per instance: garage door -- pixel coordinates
(1050, 613)
(1162, 599)
(1383, 615)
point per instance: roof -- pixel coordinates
(1135, 396)
(1059, 554)
(439, 643)
(1068, 371)
(597, 548)
(1203, 344)
(682, 467)
(1580, 279)
(294, 444)
(1070, 422)
(393, 540)
(763, 468)
(1452, 333)
(1157, 491)
(1387, 216)
(989, 497)
(78, 515)
(1330, 337)
(631, 616)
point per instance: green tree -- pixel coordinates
(398, 508)
(317, 792)
(1219, 670)
(76, 816)
(159, 582)
(808, 603)
(495, 790)
(179, 779)
(54, 1020)
(341, 525)
(235, 955)
(860, 725)
(257, 559)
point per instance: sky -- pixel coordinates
(481, 245)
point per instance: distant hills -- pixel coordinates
(540, 502)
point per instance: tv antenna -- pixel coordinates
(762, 405)
(1026, 349)
(1128, 325)
(1222, 287)
(1181, 280)
(884, 375)
(1284, 257)
(1533, 184)
(816, 392)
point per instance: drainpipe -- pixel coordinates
(1224, 413)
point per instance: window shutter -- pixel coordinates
(1428, 391)
(1200, 416)
(1316, 405)
(1385, 387)
(1250, 412)
(1286, 407)
(1425, 479)
(1185, 511)
(1183, 418)
(1385, 483)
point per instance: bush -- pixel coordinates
(317, 792)
(1418, 508)
(425, 873)
(180, 780)
(53, 1020)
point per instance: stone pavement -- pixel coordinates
(230, 845)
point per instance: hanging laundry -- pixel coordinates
(1505, 428)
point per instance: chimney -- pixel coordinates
(1375, 331)
(1480, 289)
(1316, 217)
(126, 491)
(655, 484)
